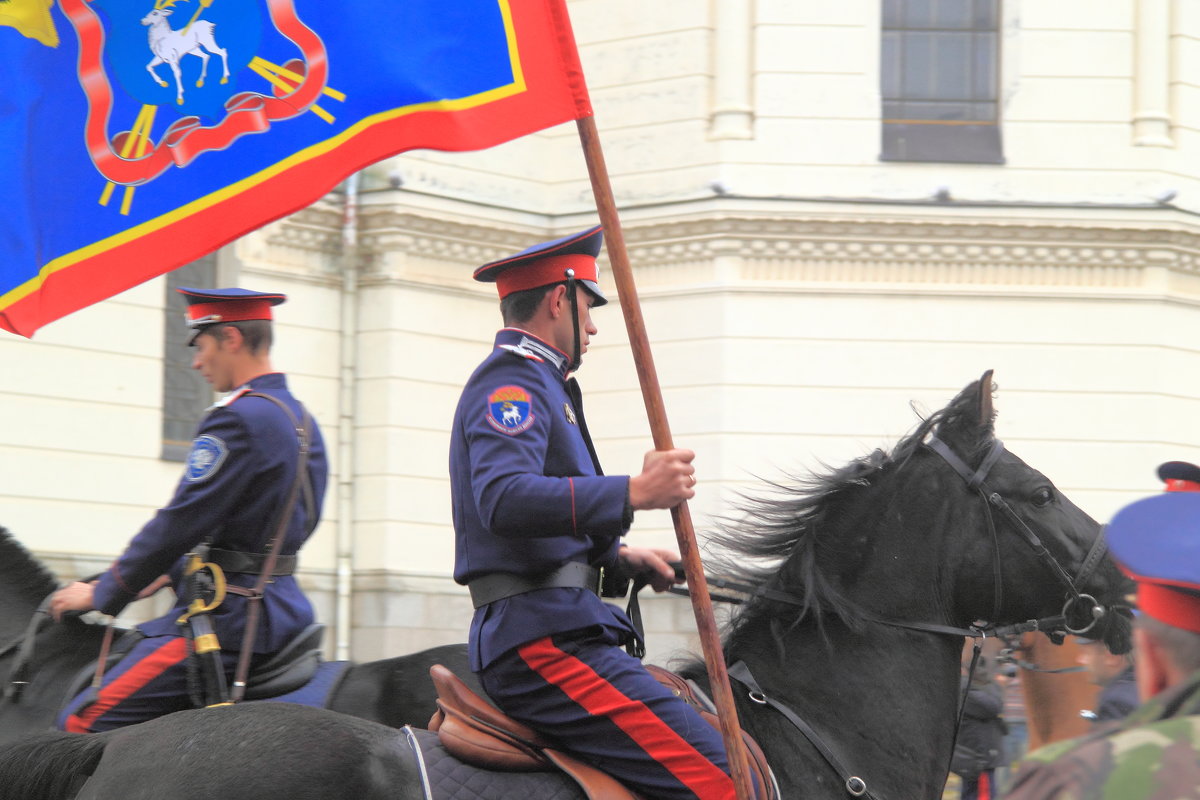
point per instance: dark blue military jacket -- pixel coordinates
(528, 496)
(238, 477)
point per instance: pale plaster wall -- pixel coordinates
(794, 312)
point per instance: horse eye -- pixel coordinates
(1042, 496)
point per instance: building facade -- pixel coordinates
(838, 214)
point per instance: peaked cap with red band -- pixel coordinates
(547, 263)
(213, 306)
(1156, 542)
(1180, 476)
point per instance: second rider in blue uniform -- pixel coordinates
(232, 496)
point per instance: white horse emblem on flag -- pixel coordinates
(170, 46)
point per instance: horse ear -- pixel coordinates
(987, 414)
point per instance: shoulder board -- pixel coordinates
(224, 401)
(536, 351)
(521, 351)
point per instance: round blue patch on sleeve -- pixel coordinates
(510, 410)
(208, 453)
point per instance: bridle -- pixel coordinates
(1076, 601)
(976, 480)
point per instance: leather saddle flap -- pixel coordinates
(477, 732)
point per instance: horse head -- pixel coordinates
(949, 528)
(1023, 550)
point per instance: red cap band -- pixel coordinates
(1180, 485)
(1166, 604)
(544, 272)
(231, 311)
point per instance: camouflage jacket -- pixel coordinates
(1153, 754)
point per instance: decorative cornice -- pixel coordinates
(384, 230)
(307, 244)
(769, 247)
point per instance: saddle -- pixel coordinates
(477, 733)
(291, 668)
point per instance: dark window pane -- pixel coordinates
(950, 13)
(987, 14)
(918, 14)
(984, 79)
(970, 144)
(889, 65)
(918, 60)
(951, 60)
(937, 111)
(936, 65)
(983, 112)
(938, 80)
(185, 392)
(893, 13)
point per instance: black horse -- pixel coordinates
(845, 660)
(59, 655)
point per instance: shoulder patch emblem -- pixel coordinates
(208, 453)
(510, 410)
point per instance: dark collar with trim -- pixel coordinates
(525, 344)
(268, 380)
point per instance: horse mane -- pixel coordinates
(779, 539)
(22, 573)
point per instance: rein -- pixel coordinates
(19, 677)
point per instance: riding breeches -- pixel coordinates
(149, 681)
(600, 704)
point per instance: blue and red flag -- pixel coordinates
(139, 135)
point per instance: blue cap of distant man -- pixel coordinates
(1156, 541)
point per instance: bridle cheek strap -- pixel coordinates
(1093, 559)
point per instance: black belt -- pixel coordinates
(499, 585)
(249, 563)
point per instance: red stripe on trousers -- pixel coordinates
(600, 698)
(140, 674)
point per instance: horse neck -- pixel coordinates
(24, 584)
(883, 698)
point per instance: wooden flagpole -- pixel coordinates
(710, 641)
